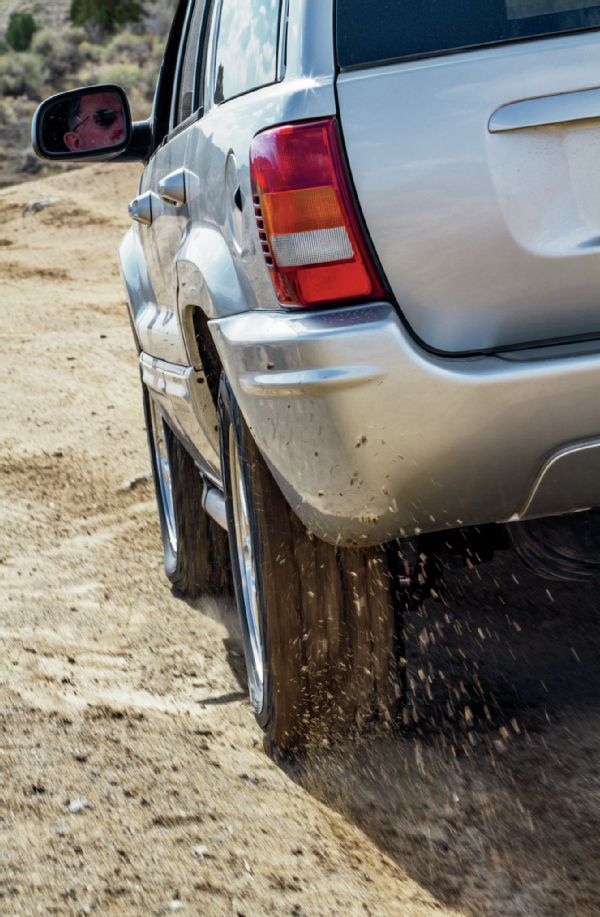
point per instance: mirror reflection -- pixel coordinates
(90, 121)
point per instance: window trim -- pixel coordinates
(199, 68)
(284, 18)
(163, 95)
(178, 70)
(199, 109)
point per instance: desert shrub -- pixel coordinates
(7, 113)
(105, 15)
(90, 53)
(30, 164)
(158, 15)
(126, 75)
(20, 31)
(20, 75)
(128, 48)
(61, 55)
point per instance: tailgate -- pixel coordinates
(484, 208)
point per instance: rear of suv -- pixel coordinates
(363, 279)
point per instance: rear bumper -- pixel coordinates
(371, 438)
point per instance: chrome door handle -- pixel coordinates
(141, 208)
(581, 105)
(172, 188)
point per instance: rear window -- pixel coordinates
(385, 30)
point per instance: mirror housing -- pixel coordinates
(92, 123)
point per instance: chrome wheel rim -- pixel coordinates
(246, 559)
(163, 468)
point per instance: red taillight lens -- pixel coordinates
(306, 221)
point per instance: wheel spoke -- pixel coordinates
(163, 466)
(247, 566)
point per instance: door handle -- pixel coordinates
(172, 188)
(141, 208)
(581, 105)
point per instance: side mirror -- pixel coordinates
(89, 123)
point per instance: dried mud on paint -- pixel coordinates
(133, 776)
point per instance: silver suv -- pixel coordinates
(364, 277)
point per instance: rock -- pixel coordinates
(38, 206)
(132, 483)
(79, 805)
(202, 852)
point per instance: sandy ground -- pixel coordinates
(133, 778)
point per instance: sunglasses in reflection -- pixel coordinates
(104, 117)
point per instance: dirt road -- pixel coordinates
(132, 776)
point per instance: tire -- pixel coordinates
(195, 548)
(321, 629)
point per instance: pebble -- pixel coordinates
(132, 483)
(202, 852)
(79, 805)
(37, 206)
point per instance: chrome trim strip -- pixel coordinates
(570, 470)
(307, 381)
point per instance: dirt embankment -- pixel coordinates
(132, 775)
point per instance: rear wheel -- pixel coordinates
(322, 634)
(195, 549)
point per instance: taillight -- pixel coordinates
(309, 232)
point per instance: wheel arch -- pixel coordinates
(207, 281)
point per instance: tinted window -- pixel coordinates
(391, 29)
(246, 53)
(191, 61)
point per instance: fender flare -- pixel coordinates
(206, 279)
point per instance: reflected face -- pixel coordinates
(100, 123)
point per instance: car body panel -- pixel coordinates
(371, 437)
(218, 150)
(156, 333)
(489, 239)
(160, 242)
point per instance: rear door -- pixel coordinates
(166, 183)
(473, 137)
